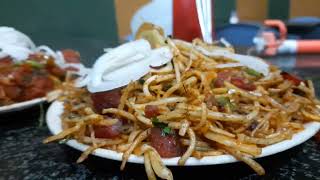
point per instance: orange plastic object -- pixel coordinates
(308, 46)
(277, 24)
(300, 46)
(185, 20)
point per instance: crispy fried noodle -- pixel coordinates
(205, 101)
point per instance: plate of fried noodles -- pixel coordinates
(29, 72)
(164, 102)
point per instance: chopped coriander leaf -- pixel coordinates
(166, 131)
(154, 120)
(157, 123)
(232, 106)
(252, 72)
(225, 101)
(34, 64)
(222, 101)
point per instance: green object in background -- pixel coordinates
(87, 26)
(278, 9)
(222, 10)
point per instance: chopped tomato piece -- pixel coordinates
(56, 71)
(221, 77)
(12, 92)
(5, 62)
(71, 69)
(6, 78)
(239, 82)
(151, 111)
(106, 99)
(290, 77)
(107, 131)
(39, 87)
(71, 56)
(22, 75)
(166, 145)
(2, 93)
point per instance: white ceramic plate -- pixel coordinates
(54, 124)
(21, 105)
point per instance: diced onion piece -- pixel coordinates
(15, 44)
(249, 61)
(126, 63)
(229, 65)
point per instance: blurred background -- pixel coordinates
(224, 12)
(89, 26)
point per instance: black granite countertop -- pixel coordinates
(23, 156)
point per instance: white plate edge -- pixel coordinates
(54, 125)
(21, 105)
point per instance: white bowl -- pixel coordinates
(54, 124)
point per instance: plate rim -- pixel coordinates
(21, 105)
(54, 124)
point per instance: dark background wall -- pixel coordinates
(84, 25)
